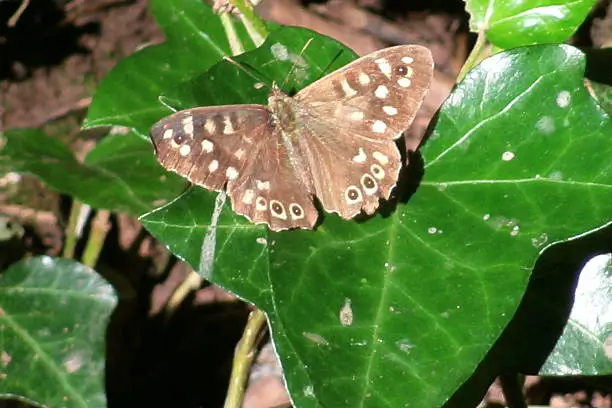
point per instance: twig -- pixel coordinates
(72, 232)
(243, 358)
(99, 229)
(15, 17)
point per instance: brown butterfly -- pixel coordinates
(334, 140)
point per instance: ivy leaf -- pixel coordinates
(399, 310)
(119, 174)
(196, 40)
(585, 347)
(510, 24)
(53, 314)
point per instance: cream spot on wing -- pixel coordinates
(210, 125)
(407, 60)
(231, 173)
(262, 185)
(213, 166)
(168, 133)
(239, 153)
(248, 197)
(356, 115)
(379, 126)
(207, 146)
(185, 150)
(404, 82)
(381, 158)
(390, 110)
(261, 204)
(228, 127)
(361, 157)
(381, 92)
(346, 88)
(188, 125)
(364, 79)
(384, 66)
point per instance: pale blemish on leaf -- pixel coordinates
(486, 217)
(346, 313)
(316, 338)
(261, 241)
(556, 175)
(279, 51)
(540, 240)
(404, 345)
(563, 99)
(546, 125)
(5, 358)
(73, 362)
(515, 231)
(309, 391)
(507, 156)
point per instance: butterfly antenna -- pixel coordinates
(297, 60)
(238, 65)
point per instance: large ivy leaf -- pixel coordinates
(584, 348)
(400, 309)
(119, 174)
(511, 24)
(128, 95)
(53, 315)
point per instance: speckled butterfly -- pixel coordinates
(334, 141)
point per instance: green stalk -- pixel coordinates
(99, 229)
(476, 55)
(245, 353)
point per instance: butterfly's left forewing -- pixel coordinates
(236, 147)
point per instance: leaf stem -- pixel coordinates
(245, 353)
(256, 27)
(474, 57)
(99, 229)
(230, 31)
(72, 232)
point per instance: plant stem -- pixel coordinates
(99, 229)
(71, 229)
(232, 37)
(256, 27)
(245, 353)
(474, 57)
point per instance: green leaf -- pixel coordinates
(510, 24)
(53, 318)
(128, 95)
(584, 346)
(120, 173)
(519, 160)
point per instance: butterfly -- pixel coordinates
(333, 141)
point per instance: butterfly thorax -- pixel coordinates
(283, 109)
